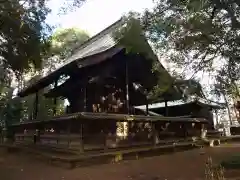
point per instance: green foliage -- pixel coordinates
(227, 82)
(197, 34)
(62, 45)
(14, 111)
(10, 108)
(70, 5)
(213, 172)
(22, 34)
(131, 35)
(164, 89)
(45, 105)
(65, 41)
(24, 44)
(232, 162)
(190, 87)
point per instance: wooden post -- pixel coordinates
(84, 90)
(155, 134)
(185, 133)
(203, 131)
(216, 117)
(69, 132)
(55, 100)
(36, 106)
(85, 98)
(166, 108)
(127, 86)
(147, 107)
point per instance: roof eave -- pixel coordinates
(46, 80)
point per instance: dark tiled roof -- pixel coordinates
(99, 43)
(189, 100)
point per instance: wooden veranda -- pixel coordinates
(98, 131)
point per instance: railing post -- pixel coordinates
(203, 132)
(105, 136)
(155, 134)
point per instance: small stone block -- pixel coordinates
(211, 143)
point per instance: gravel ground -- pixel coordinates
(188, 165)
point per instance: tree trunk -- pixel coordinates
(228, 109)
(235, 108)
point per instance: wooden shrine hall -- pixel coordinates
(191, 107)
(101, 95)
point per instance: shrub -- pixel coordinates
(213, 172)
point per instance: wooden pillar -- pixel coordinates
(147, 107)
(69, 132)
(36, 106)
(166, 108)
(81, 149)
(85, 98)
(55, 108)
(185, 132)
(203, 131)
(127, 86)
(55, 100)
(155, 134)
(84, 95)
(216, 117)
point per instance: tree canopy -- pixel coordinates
(23, 34)
(167, 87)
(63, 43)
(198, 34)
(25, 43)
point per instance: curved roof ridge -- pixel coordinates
(100, 34)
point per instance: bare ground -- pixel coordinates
(188, 165)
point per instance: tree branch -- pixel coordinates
(226, 6)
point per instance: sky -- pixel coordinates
(95, 15)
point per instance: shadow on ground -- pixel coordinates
(188, 165)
